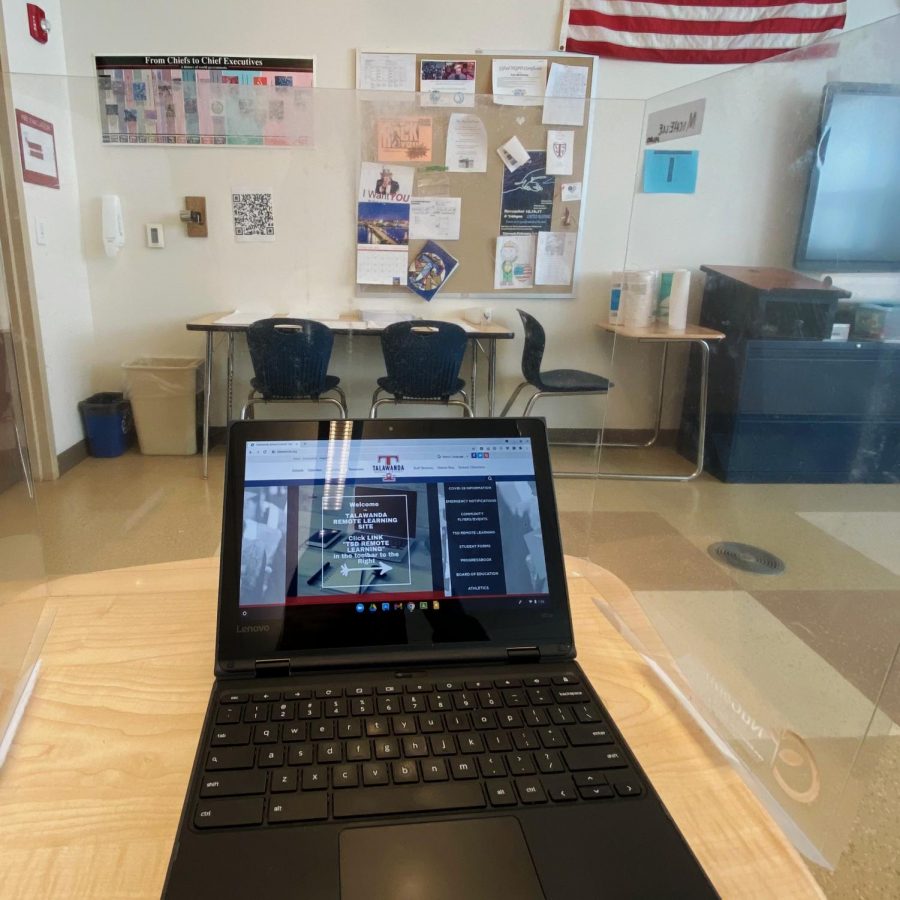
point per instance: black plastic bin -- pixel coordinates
(108, 424)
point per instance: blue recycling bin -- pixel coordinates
(108, 424)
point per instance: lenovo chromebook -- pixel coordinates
(397, 712)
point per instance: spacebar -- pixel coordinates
(425, 798)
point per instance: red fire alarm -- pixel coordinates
(38, 26)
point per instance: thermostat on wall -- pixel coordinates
(155, 236)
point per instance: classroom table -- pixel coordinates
(92, 790)
(484, 337)
(662, 334)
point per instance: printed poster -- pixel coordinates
(385, 183)
(527, 200)
(430, 269)
(514, 262)
(447, 82)
(206, 100)
(404, 139)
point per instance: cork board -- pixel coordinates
(480, 193)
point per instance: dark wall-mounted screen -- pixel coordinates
(851, 219)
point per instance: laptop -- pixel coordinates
(430, 736)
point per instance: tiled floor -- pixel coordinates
(809, 650)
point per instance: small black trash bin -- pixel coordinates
(108, 425)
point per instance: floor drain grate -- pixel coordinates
(746, 557)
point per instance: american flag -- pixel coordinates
(691, 31)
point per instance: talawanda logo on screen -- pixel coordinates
(388, 464)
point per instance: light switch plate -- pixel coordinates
(155, 236)
(40, 232)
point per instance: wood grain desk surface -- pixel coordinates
(658, 332)
(91, 793)
(209, 322)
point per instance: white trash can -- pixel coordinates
(165, 393)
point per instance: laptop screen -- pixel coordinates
(357, 541)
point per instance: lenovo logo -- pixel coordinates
(251, 629)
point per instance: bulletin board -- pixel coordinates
(481, 192)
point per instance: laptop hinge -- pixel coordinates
(523, 654)
(272, 667)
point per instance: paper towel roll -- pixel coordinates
(638, 298)
(678, 299)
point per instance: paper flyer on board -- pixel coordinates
(444, 82)
(555, 257)
(429, 270)
(386, 72)
(566, 90)
(435, 217)
(514, 261)
(382, 236)
(526, 205)
(570, 191)
(404, 139)
(519, 82)
(385, 183)
(560, 152)
(466, 144)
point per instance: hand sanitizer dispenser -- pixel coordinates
(113, 225)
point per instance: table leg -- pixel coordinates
(229, 381)
(207, 390)
(492, 375)
(701, 438)
(474, 400)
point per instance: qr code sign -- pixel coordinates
(254, 219)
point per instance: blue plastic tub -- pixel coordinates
(108, 425)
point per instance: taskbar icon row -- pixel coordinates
(398, 606)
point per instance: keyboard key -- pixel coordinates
(387, 706)
(293, 733)
(265, 734)
(484, 720)
(443, 745)
(626, 785)
(525, 740)
(386, 689)
(588, 713)
(457, 722)
(414, 746)
(595, 758)
(508, 683)
(471, 743)
(404, 725)
(335, 709)
(585, 735)
(530, 790)
(434, 770)
(500, 793)
(266, 696)
(256, 712)
(359, 750)
(491, 766)
(404, 772)
(309, 709)
(559, 788)
(552, 737)
(349, 728)
(535, 717)
(419, 687)
(561, 715)
(377, 727)
(571, 695)
(478, 685)
(463, 768)
(540, 697)
(322, 731)
(499, 742)
(300, 755)
(298, 694)
(228, 813)
(345, 776)
(282, 712)
(510, 718)
(230, 758)
(430, 724)
(375, 773)
(387, 748)
(586, 779)
(568, 678)
(549, 761)
(271, 756)
(449, 685)
(315, 778)
(520, 764)
(228, 714)
(327, 693)
(464, 700)
(234, 698)
(231, 736)
(359, 692)
(414, 703)
(361, 706)
(440, 702)
(536, 681)
(515, 698)
(408, 799)
(232, 784)
(299, 808)
(596, 792)
(284, 781)
(329, 752)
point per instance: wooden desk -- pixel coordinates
(662, 334)
(92, 790)
(484, 338)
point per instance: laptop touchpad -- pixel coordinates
(479, 859)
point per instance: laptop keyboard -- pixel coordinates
(407, 746)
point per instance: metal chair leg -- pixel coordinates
(531, 402)
(335, 402)
(343, 397)
(247, 410)
(467, 410)
(512, 399)
(373, 412)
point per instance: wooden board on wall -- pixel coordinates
(480, 192)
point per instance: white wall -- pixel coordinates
(140, 301)
(60, 273)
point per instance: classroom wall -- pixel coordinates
(140, 300)
(60, 273)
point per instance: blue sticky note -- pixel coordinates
(670, 171)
